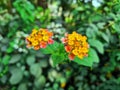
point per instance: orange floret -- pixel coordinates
(39, 39)
(76, 45)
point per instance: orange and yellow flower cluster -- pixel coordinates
(76, 45)
(39, 38)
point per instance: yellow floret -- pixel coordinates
(32, 39)
(71, 37)
(74, 33)
(84, 38)
(78, 37)
(45, 38)
(75, 52)
(77, 43)
(43, 31)
(34, 31)
(70, 42)
(35, 43)
(80, 56)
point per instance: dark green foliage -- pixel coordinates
(25, 69)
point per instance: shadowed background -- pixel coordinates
(26, 69)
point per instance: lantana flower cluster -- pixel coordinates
(39, 38)
(76, 45)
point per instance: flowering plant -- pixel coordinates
(39, 38)
(74, 47)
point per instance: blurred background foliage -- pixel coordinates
(26, 69)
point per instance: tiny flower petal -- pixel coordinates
(43, 44)
(66, 34)
(68, 48)
(36, 47)
(50, 34)
(28, 46)
(50, 41)
(71, 56)
(64, 40)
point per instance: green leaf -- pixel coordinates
(101, 25)
(88, 61)
(57, 58)
(50, 48)
(22, 86)
(92, 31)
(35, 70)
(116, 7)
(43, 63)
(17, 75)
(3, 79)
(116, 26)
(105, 37)
(26, 13)
(118, 56)
(15, 58)
(30, 60)
(96, 18)
(55, 86)
(6, 59)
(94, 55)
(118, 80)
(97, 45)
(58, 54)
(10, 49)
(47, 50)
(40, 81)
